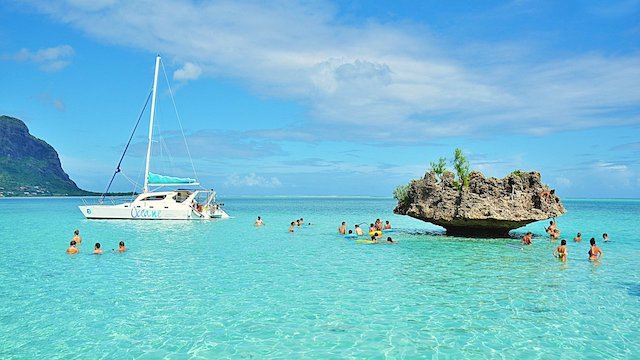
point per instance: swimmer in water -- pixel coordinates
(374, 239)
(578, 237)
(293, 224)
(121, 247)
(605, 237)
(561, 251)
(72, 249)
(391, 241)
(343, 228)
(555, 234)
(526, 239)
(359, 230)
(96, 249)
(76, 237)
(594, 253)
(259, 221)
(387, 225)
(552, 227)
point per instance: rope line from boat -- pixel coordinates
(125, 149)
(175, 108)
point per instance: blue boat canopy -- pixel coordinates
(162, 180)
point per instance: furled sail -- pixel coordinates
(162, 180)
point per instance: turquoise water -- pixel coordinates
(227, 289)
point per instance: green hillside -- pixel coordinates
(29, 166)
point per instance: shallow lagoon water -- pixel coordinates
(226, 289)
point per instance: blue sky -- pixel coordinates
(333, 98)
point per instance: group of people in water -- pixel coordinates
(375, 230)
(76, 240)
(561, 251)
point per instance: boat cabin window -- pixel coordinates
(154, 197)
(181, 196)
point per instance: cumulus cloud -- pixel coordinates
(188, 72)
(252, 180)
(49, 59)
(399, 77)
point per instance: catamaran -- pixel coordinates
(178, 204)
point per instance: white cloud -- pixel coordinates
(252, 180)
(397, 77)
(563, 181)
(49, 59)
(188, 72)
(46, 98)
(609, 166)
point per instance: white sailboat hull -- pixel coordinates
(172, 205)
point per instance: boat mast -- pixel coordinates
(153, 110)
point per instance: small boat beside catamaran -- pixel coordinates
(151, 204)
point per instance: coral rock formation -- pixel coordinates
(489, 207)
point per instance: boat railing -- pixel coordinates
(107, 200)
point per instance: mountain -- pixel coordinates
(29, 166)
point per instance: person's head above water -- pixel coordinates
(563, 242)
(121, 243)
(76, 232)
(72, 243)
(97, 245)
(592, 241)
